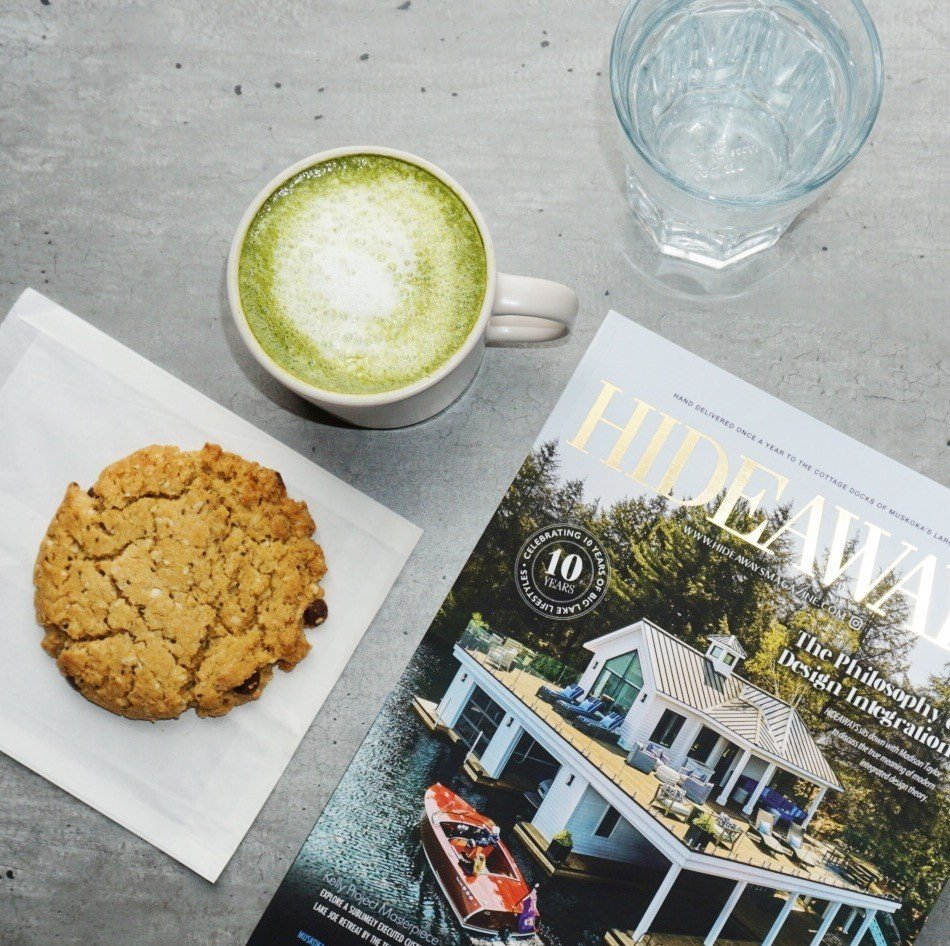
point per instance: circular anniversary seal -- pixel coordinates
(562, 571)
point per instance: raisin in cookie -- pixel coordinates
(179, 580)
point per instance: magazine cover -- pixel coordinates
(691, 687)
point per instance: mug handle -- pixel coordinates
(530, 310)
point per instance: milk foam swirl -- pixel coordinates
(362, 274)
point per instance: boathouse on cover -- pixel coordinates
(683, 710)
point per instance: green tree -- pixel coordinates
(536, 497)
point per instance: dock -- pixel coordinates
(426, 711)
(576, 866)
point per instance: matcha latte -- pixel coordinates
(362, 274)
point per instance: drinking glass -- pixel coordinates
(735, 114)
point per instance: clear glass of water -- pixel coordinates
(736, 113)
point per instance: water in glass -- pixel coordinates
(744, 103)
(738, 99)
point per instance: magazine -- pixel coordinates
(691, 687)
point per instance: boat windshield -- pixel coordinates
(498, 863)
(465, 838)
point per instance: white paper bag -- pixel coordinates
(72, 401)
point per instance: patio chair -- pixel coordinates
(762, 833)
(645, 758)
(795, 840)
(697, 788)
(726, 831)
(501, 658)
(607, 728)
(672, 802)
(569, 693)
(764, 822)
(574, 710)
(795, 835)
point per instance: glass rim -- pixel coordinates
(784, 195)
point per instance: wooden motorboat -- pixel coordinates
(476, 872)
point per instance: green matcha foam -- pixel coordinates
(362, 274)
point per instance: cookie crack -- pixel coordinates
(112, 556)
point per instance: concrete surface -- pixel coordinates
(133, 135)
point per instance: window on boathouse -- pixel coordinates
(668, 728)
(608, 822)
(479, 721)
(621, 681)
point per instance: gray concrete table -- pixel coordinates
(133, 135)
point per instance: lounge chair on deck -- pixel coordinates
(764, 822)
(796, 842)
(697, 788)
(607, 728)
(501, 658)
(574, 710)
(645, 758)
(672, 802)
(726, 831)
(795, 835)
(762, 832)
(569, 693)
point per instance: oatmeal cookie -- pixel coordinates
(179, 580)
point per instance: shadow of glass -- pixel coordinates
(686, 280)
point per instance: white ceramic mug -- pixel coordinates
(515, 309)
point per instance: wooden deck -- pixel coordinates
(641, 787)
(426, 711)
